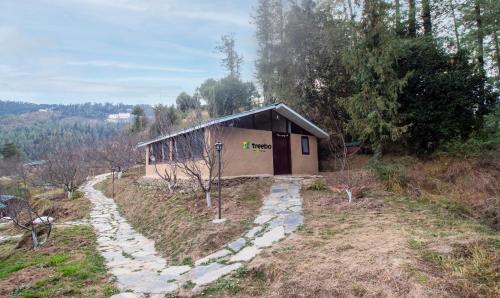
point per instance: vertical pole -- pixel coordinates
(113, 171)
(219, 183)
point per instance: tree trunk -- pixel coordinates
(412, 22)
(208, 198)
(351, 13)
(497, 49)
(68, 194)
(34, 237)
(479, 35)
(379, 151)
(399, 31)
(455, 25)
(426, 17)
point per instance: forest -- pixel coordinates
(415, 75)
(402, 76)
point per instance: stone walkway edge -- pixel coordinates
(138, 269)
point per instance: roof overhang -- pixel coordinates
(281, 108)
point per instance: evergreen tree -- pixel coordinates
(373, 108)
(140, 120)
(445, 97)
(227, 96)
(269, 20)
(232, 60)
(186, 102)
(10, 151)
(165, 119)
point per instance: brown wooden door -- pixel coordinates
(282, 160)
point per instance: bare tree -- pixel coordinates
(23, 213)
(162, 153)
(196, 157)
(67, 165)
(120, 153)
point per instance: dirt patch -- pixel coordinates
(181, 224)
(24, 278)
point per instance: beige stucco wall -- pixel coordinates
(304, 164)
(239, 161)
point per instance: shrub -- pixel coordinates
(392, 174)
(77, 194)
(317, 185)
(474, 146)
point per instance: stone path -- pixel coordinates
(140, 271)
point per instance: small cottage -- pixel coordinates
(272, 140)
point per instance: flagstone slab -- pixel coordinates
(270, 237)
(253, 231)
(215, 274)
(216, 255)
(261, 219)
(245, 255)
(237, 244)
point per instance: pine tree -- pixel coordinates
(373, 109)
(10, 151)
(140, 120)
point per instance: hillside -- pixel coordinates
(30, 126)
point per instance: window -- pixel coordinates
(305, 145)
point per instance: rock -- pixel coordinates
(218, 254)
(245, 255)
(219, 221)
(270, 237)
(237, 244)
(253, 231)
(127, 295)
(214, 274)
(292, 221)
(262, 219)
(43, 220)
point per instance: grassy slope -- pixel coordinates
(409, 242)
(68, 265)
(181, 224)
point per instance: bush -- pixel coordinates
(319, 186)
(485, 139)
(474, 146)
(393, 175)
(77, 194)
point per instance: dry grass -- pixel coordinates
(382, 245)
(181, 224)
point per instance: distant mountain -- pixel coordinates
(86, 110)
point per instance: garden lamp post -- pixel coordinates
(113, 174)
(218, 148)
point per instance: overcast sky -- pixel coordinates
(130, 51)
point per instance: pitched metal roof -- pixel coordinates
(281, 108)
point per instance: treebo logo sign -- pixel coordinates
(256, 147)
